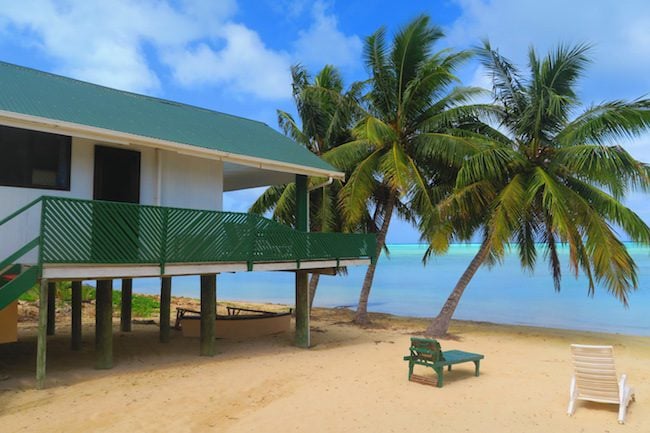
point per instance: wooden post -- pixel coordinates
(302, 335)
(41, 345)
(165, 308)
(104, 324)
(51, 308)
(208, 313)
(75, 337)
(126, 307)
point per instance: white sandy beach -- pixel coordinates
(352, 380)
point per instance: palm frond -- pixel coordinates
(506, 80)
(291, 129)
(607, 122)
(395, 169)
(268, 200)
(491, 163)
(411, 47)
(359, 188)
(612, 167)
(346, 156)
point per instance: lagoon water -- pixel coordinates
(502, 294)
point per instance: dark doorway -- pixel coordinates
(117, 174)
(116, 229)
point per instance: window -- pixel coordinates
(34, 159)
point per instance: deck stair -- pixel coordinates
(16, 281)
(17, 278)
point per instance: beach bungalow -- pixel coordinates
(102, 184)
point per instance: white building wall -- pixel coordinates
(189, 182)
(185, 181)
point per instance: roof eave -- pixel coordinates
(94, 133)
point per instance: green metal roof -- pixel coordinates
(36, 93)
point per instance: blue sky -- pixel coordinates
(234, 55)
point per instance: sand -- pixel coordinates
(352, 380)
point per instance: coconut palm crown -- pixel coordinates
(544, 175)
(411, 93)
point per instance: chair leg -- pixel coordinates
(410, 369)
(439, 371)
(572, 397)
(477, 365)
(449, 367)
(621, 413)
(622, 408)
(572, 407)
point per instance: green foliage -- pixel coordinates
(142, 306)
(30, 295)
(327, 112)
(64, 291)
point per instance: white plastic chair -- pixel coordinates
(594, 379)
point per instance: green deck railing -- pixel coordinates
(77, 231)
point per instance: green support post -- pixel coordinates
(51, 308)
(126, 306)
(302, 335)
(41, 345)
(302, 204)
(208, 314)
(104, 324)
(75, 337)
(165, 308)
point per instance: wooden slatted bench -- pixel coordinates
(427, 352)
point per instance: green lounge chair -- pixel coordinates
(427, 352)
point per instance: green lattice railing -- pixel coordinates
(97, 232)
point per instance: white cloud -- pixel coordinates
(104, 42)
(244, 64)
(113, 43)
(324, 43)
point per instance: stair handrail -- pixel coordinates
(21, 210)
(30, 245)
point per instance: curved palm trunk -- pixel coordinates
(361, 316)
(440, 324)
(313, 285)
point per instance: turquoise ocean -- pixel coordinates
(501, 294)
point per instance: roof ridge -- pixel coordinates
(128, 93)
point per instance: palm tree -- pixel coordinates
(327, 113)
(411, 94)
(542, 177)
